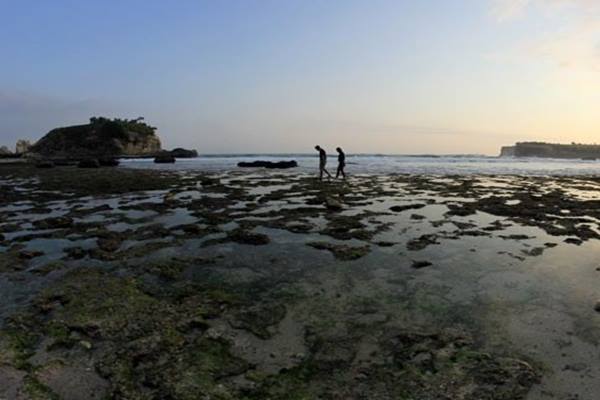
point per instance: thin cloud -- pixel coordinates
(503, 10)
(506, 10)
(574, 43)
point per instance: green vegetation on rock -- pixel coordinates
(102, 137)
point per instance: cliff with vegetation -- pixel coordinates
(101, 137)
(552, 150)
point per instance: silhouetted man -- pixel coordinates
(341, 163)
(322, 162)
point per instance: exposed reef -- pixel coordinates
(150, 284)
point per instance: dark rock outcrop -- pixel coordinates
(89, 163)
(108, 162)
(333, 204)
(209, 181)
(164, 158)
(269, 164)
(421, 264)
(407, 207)
(64, 163)
(44, 164)
(183, 153)
(101, 138)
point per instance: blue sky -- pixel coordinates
(380, 76)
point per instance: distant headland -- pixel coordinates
(552, 150)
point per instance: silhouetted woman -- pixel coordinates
(341, 163)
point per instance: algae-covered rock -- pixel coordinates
(421, 264)
(73, 383)
(406, 365)
(166, 269)
(407, 207)
(168, 318)
(422, 241)
(258, 319)
(345, 228)
(53, 223)
(244, 237)
(342, 252)
(444, 364)
(333, 204)
(12, 383)
(139, 343)
(109, 241)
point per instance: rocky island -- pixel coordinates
(552, 150)
(100, 138)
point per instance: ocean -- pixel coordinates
(387, 164)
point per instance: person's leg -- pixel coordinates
(339, 169)
(320, 173)
(343, 172)
(327, 172)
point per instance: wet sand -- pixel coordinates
(271, 285)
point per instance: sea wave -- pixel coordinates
(386, 164)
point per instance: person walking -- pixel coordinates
(322, 162)
(341, 163)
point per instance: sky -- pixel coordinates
(272, 76)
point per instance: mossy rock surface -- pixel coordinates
(342, 252)
(231, 321)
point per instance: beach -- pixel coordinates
(180, 283)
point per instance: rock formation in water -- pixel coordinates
(101, 138)
(552, 150)
(184, 153)
(164, 157)
(4, 151)
(269, 164)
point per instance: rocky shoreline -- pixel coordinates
(145, 284)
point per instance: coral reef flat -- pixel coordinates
(147, 284)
